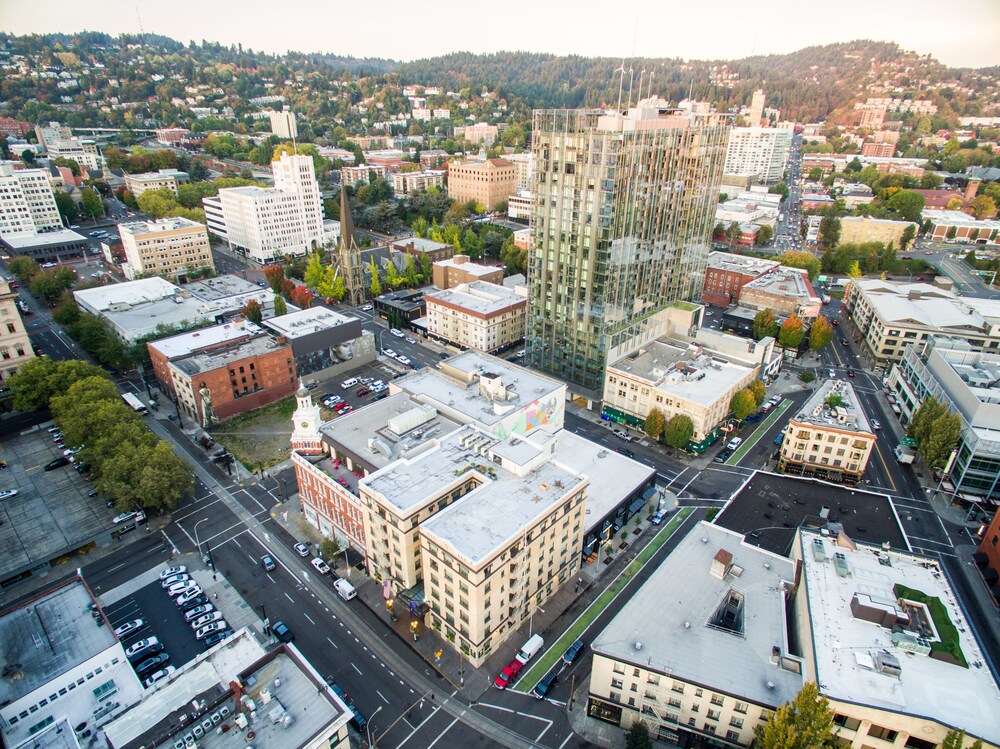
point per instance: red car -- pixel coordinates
(508, 674)
(362, 391)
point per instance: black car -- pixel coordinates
(723, 456)
(282, 632)
(152, 664)
(215, 639)
(141, 655)
(625, 451)
(196, 601)
(59, 462)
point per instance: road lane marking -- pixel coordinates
(289, 598)
(566, 741)
(309, 618)
(332, 643)
(354, 666)
(382, 696)
(441, 735)
(886, 467)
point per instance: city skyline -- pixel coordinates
(646, 29)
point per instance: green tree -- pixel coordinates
(801, 259)
(654, 423)
(637, 736)
(252, 312)
(742, 404)
(779, 188)
(67, 206)
(764, 235)
(39, 379)
(411, 276)
(420, 226)
(280, 306)
(950, 234)
(759, 392)
(313, 275)
(91, 203)
(764, 324)
(330, 549)
(678, 431)
(982, 207)
(50, 284)
(820, 333)
(941, 439)
(815, 174)
(909, 233)
(791, 332)
(906, 204)
(24, 267)
(392, 278)
(804, 723)
(829, 230)
(924, 417)
(855, 270)
(376, 288)
(956, 740)
(733, 233)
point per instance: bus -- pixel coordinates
(134, 403)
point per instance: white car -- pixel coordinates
(187, 596)
(171, 571)
(410, 340)
(141, 645)
(8, 493)
(124, 517)
(389, 352)
(321, 567)
(174, 579)
(191, 614)
(403, 360)
(201, 621)
(367, 308)
(208, 629)
(876, 424)
(129, 628)
(398, 333)
(183, 587)
(163, 673)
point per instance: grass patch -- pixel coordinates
(760, 431)
(259, 437)
(948, 645)
(548, 659)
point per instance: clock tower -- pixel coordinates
(305, 423)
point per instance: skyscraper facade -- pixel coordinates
(623, 209)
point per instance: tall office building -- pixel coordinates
(758, 153)
(27, 205)
(623, 209)
(756, 108)
(283, 123)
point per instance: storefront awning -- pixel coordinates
(649, 493)
(636, 505)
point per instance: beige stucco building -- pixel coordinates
(137, 184)
(830, 438)
(173, 248)
(15, 347)
(857, 229)
(786, 291)
(460, 269)
(488, 182)
(479, 315)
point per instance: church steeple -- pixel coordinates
(348, 255)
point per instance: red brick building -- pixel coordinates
(987, 557)
(10, 126)
(218, 372)
(727, 274)
(881, 150)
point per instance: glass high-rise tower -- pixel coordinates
(624, 203)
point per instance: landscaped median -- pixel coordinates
(549, 658)
(761, 430)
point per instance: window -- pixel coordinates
(736, 722)
(740, 707)
(879, 732)
(732, 736)
(617, 683)
(843, 721)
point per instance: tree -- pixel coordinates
(764, 324)
(24, 267)
(941, 440)
(274, 274)
(330, 548)
(49, 284)
(956, 740)
(392, 278)
(654, 423)
(91, 203)
(982, 207)
(815, 174)
(67, 206)
(764, 235)
(924, 417)
(792, 332)
(280, 307)
(637, 736)
(420, 226)
(252, 312)
(804, 260)
(855, 270)
(678, 431)
(313, 275)
(376, 287)
(301, 297)
(759, 392)
(829, 230)
(820, 334)
(804, 723)
(733, 233)
(742, 404)
(908, 235)
(950, 234)
(39, 379)
(906, 204)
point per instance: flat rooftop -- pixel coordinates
(768, 508)
(48, 636)
(727, 261)
(486, 519)
(785, 282)
(455, 386)
(685, 639)
(683, 370)
(479, 297)
(848, 649)
(141, 228)
(473, 269)
(25, 240)
(223, 356)
(128, 294)
(848, 415)
(186, 343)
(307, 321)
(419, 243)
(222, 287)
(921, 305)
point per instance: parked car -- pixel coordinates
(543, 687)
(183, 587)
(206, 619)
(209, 629)
(193, 613)
(301, 549)
(723, 455)
(362, 391)
(507, 676)
(156, 676)
(139, 646)
(216, 637)
(321, 567)
(779, 438)
(267, 562)
(658, 517)
(193, 602)
(625, 451)
(398, 333)
(389, 352)
(171, 571)
(366, 308)
(8, 493)
(124, 517)
(59, 462)
(129, 628)
(147, 652)
(734, 443)
(152, 664)
(573, 652)
(173, 579)
(410, 340)
(404, 360)
(282, 632)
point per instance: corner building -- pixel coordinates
(622, 215)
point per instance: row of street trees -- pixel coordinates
(791, 333)
(127, 461)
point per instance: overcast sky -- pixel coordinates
(957, 32)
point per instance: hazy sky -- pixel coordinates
(957, 32)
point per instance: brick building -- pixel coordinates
(478, 315)
(10, 126)
(727, 274)
(487, 182)
(456, 270)
(871, 148)
(419, 247)
(987, 556)
(240, 365)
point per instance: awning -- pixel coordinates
(649, 493)
(637, 504)
(590, 544)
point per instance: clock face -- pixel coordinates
(305, 424)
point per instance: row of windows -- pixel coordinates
(100, 692)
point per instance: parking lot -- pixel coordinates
(377, 370)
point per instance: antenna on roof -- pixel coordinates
(621, 82)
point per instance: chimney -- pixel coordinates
(970, 189)
(722, 562)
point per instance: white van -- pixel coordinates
(345, 590)
(530, 649)
(735, 442)
(349, 383)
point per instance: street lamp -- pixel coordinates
(196, 541)
(370, 721)
(531, 618)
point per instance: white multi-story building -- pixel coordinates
(27, 205)
(83, 152)
(137, 184)
(362, 173)
(283, 123)
(172, 248)
(265, 223)
(519, 206)
(15, 346)
(760, 153)
(524, 168)
(406, 183)
(50, 133)
(478, 315)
